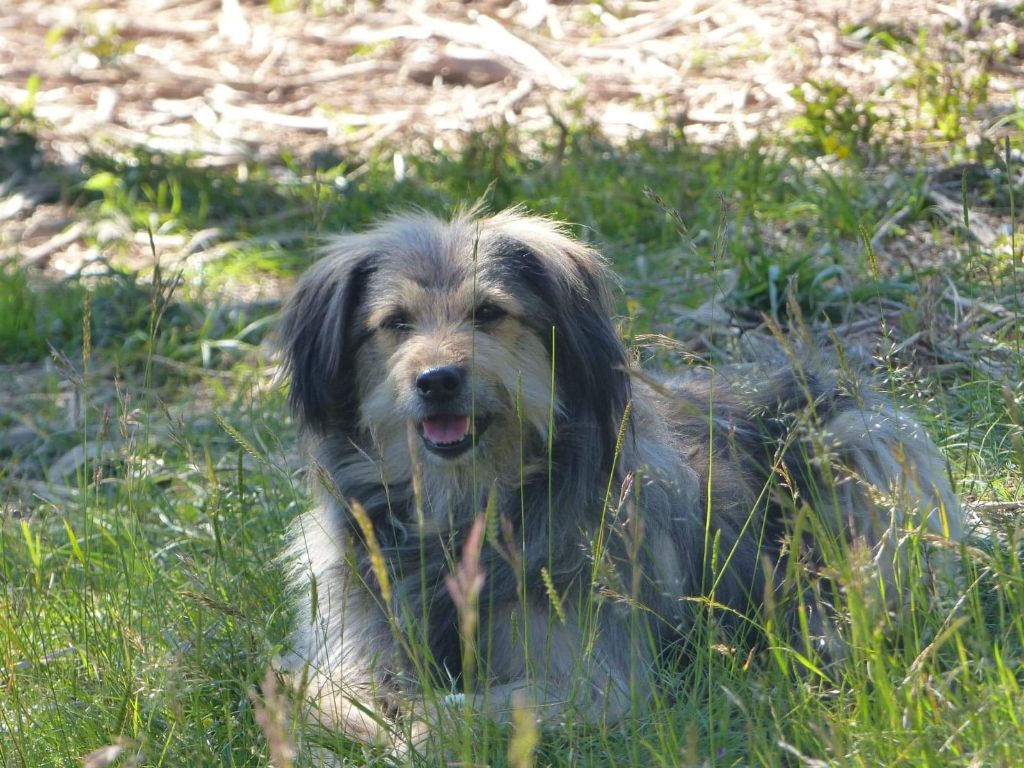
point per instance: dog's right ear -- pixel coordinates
(317, 341)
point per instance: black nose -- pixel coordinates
(440, 383)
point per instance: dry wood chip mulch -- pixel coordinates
(232, 80)
(236, 81)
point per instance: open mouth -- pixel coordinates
(449, 435)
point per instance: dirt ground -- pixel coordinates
(232, 80)
(236, 81)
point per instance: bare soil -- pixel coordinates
(238, 81)
(232, 80)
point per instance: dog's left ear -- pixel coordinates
(315, 333)
(572, 283)
(593, 358)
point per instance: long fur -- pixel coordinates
(620, 493)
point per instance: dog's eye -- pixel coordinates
(399, 321)
(487, 313)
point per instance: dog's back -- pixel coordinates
(797, 456)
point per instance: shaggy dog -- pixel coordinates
(448, 370)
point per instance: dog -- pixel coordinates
(448, 372)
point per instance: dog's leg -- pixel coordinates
(352, 709)
(343, 645)
(588, 668)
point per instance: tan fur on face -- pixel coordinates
(509, 370)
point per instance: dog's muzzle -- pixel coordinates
(450, 429)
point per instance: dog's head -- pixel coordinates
(452, 328)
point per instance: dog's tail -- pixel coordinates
(867, 472)
(856, 485)
(866, 465)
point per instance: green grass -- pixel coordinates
(148, 468)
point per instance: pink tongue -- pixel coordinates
(445, 429)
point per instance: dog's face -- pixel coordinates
(451, 329)
(447, 348)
